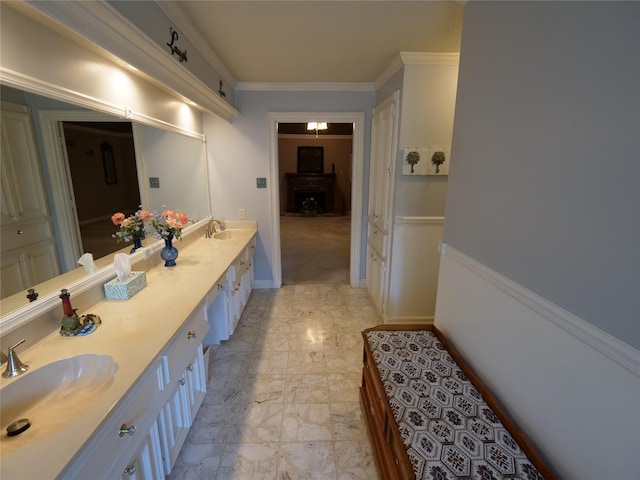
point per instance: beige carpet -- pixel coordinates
(315, 250)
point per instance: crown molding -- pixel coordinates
(391, 69)
(430, 58)
(101, 26)
(304, 87)
(416, 58)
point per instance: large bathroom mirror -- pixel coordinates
(103, 165)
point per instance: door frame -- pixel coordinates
(65, 217)
(357, 169)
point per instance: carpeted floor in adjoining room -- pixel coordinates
(315, 250)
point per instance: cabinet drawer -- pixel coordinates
(399, 457)
(376, 400)
(182, 349)
(25, 233)
(116, 447)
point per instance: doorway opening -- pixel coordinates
(314, 169)
(353, 202)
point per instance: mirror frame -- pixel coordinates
(24, 314)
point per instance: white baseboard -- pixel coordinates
(262, 284)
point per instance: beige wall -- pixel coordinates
(337, 151)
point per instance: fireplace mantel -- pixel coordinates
(321, 186)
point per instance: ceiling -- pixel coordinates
(321, 41)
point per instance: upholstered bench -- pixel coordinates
(430, 417)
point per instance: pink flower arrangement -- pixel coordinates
(132, 226)
(169, 223)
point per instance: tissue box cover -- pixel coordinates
(127, 288)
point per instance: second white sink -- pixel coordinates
(225, 235)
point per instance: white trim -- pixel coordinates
(393, 67)
(618, 351)
(358, 120)
(305, 87)
(103, 29)
(415, 58)
(302, 136)
(421, 220)
(263, 284)
(122, 113)
(430, 58)
(46, 89)
(46, 303)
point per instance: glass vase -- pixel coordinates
(137, 243)
(169, 253)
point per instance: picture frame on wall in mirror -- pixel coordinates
(109, 164)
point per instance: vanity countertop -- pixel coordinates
(134, 332)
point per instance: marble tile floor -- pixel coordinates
(282, 400)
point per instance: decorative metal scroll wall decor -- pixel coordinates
(175, 50)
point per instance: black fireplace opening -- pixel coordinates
(319, 197)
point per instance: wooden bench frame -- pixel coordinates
(390, 454)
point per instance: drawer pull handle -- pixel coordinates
(130, 470)
(20, 232)
(191, 334)
(181, 382)
(124, 430)
(190, 367)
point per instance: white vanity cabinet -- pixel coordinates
(155, 416)
(184, 377)
(147, 461)
(109, 452)
(229, 297)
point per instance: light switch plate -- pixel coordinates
(261, 182)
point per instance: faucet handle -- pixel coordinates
(14, 366)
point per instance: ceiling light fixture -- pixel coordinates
(317, 126)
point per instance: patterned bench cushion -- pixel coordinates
(446, 426)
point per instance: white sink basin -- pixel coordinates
(51, 396)
(226, 235)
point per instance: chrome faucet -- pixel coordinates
(14, 366)
(211, 228)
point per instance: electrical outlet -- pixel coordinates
(242, 214)
(154, 182)
(261, 182)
